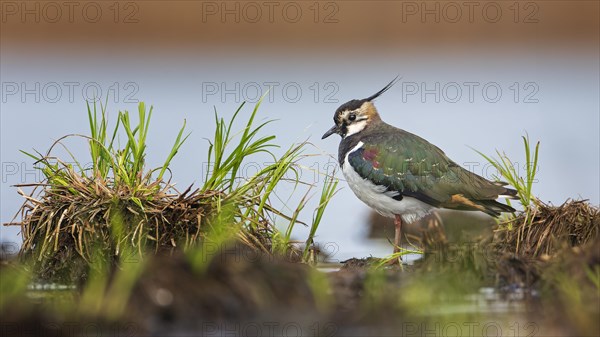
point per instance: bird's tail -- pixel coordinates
(494, 208)
(508, 193)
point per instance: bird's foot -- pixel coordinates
(394, 261)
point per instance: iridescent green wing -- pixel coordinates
(410, 165)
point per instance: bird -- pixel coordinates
(403, 176)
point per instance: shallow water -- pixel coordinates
(177, 91)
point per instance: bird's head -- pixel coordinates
(353, 116)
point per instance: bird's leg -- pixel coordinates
(397, 236)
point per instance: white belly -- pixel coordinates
(381, 200)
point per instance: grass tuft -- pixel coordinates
(83, 219)
(511, 173)
(540, 229)
(548, 229)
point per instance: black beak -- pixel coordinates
(330, 132)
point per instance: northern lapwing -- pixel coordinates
(401, 175)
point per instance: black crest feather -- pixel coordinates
(386, 88)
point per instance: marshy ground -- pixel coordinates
(481, 288)
(118, 251)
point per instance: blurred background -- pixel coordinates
(477, 74)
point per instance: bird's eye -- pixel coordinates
(352, 117)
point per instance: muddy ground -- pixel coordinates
(483, 287)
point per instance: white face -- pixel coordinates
(355, 127)
(354, 121)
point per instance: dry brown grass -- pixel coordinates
(79, 219)
(68, 225)
(548, 229)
